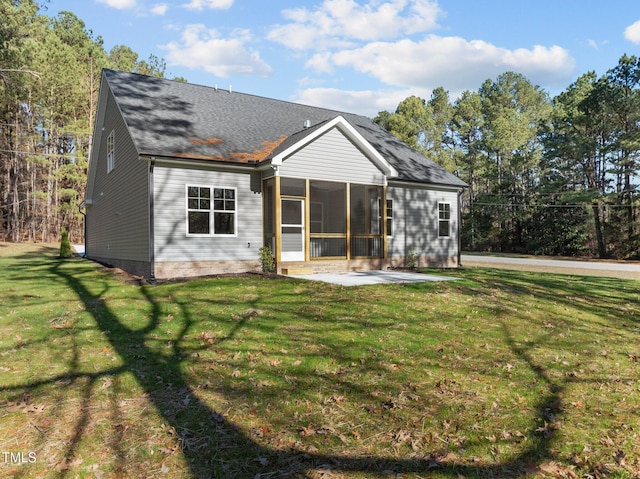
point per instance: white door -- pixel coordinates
(292, 218)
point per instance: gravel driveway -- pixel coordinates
(612, 269)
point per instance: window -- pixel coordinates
(444, 219)
(224, 211)
(111, 152)
(207, 216)
(389, 217)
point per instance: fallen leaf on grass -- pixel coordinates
(16, 406)
(217, 416)
(307, 431)
(169, 450)
(621, 458)
(37, 408)
(106, 382)
(554, 469)
(547, 430)
(402, 436)
(67, 464)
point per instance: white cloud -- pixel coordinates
(338, 23)
(321, 63)
(452, 62)
(632, 33)
(202, 48)
(159, 9)
(367, 102)
(210, 4)
(119, 4)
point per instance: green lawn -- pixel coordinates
(499, 374)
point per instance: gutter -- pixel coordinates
(433, 186)
(198, 163)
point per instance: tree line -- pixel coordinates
(552, 176)
(546, 175)
(50, 71)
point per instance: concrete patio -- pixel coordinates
(361, 278)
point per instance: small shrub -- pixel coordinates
(412, 258)
(65, 245)
(267, 261)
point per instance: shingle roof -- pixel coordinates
(175, 119)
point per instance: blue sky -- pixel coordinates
(364, 56)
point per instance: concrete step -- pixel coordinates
(297, 270)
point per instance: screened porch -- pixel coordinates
(306, 220)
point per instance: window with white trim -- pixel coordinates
(389, 217)
(211, 211)
(444, 219)
(111, 151)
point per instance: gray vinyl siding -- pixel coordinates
(170, 216)
(117, 218)
(415, 222)
(332, 157)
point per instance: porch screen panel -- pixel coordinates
(366, 221)
(328, 219)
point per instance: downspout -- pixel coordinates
(84, 222)
(152, 259)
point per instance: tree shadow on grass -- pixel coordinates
(213, 446)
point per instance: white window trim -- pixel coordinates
(392, 217)
(448, 235)
(211, 210)
(111, 151)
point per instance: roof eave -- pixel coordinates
(185, 161)
(429, 184)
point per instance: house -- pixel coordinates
(188, 180)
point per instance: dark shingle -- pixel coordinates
(175, 119)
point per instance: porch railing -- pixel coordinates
(335, 246)
(367, 246)
(328, 246)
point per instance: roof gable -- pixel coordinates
(180, 120)
(350, 132)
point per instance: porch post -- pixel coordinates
(278, 220)
(348, 205)
(384, 221)
(307, 222)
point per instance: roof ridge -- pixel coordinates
(234, 92)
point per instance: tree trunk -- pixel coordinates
(602, 249)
